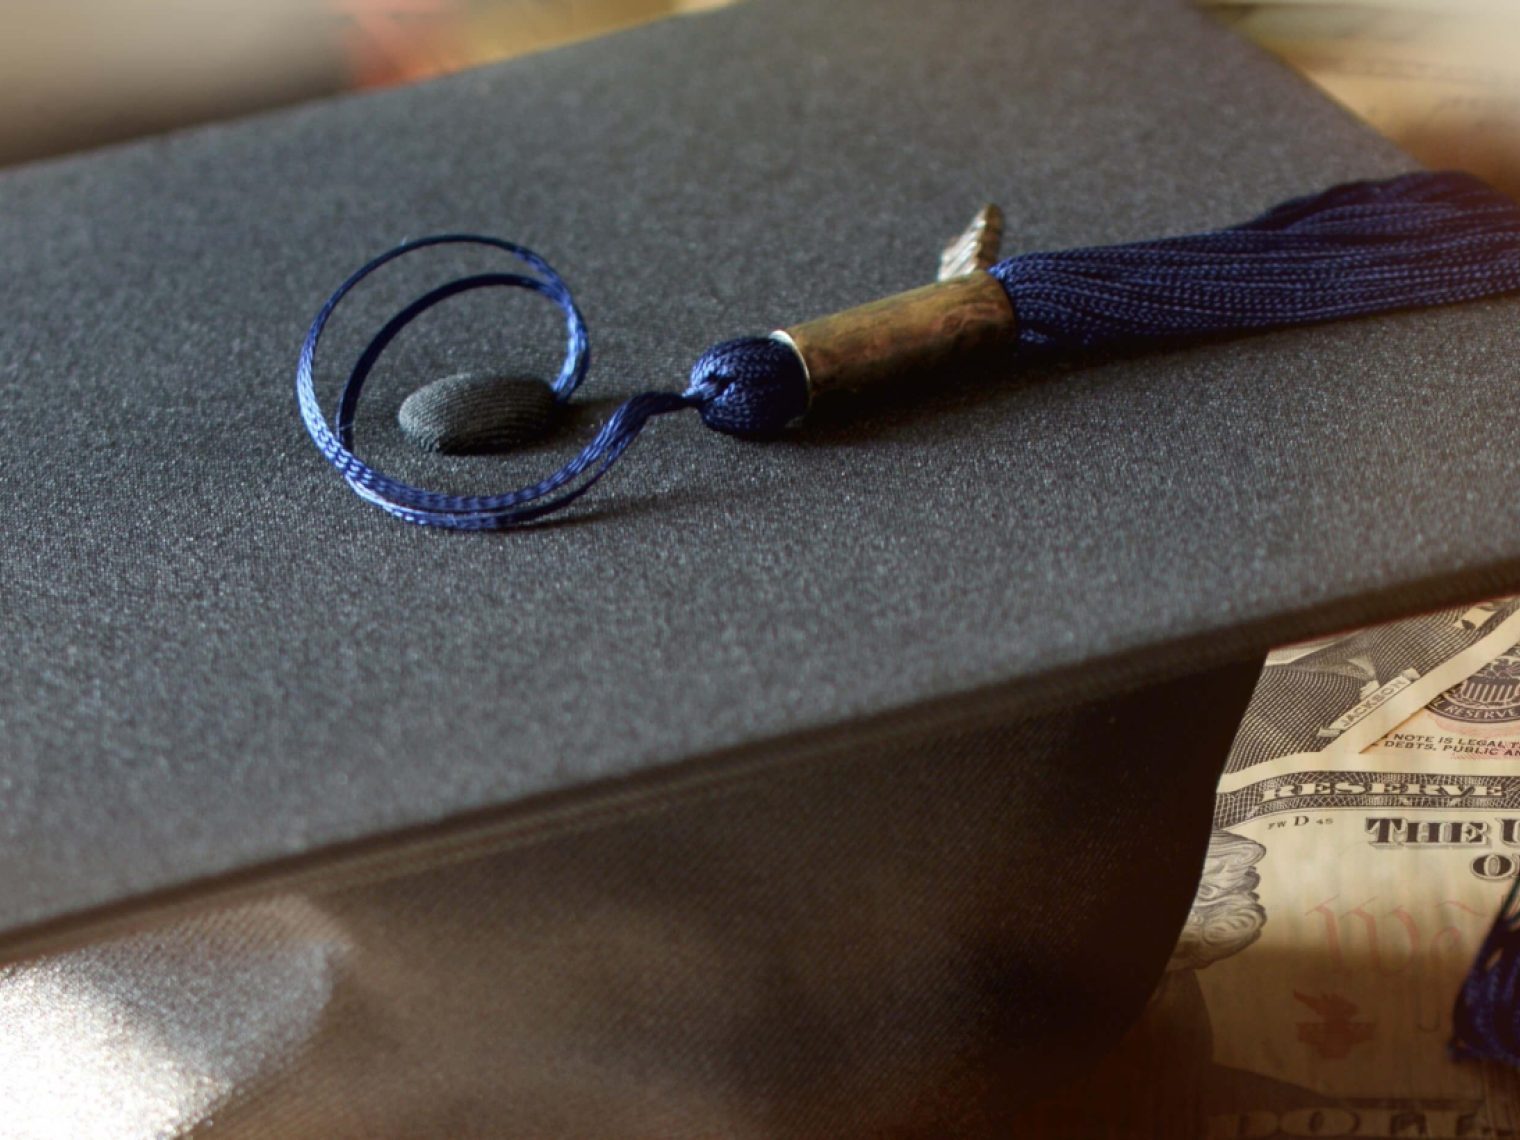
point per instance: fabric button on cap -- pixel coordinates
(474, 412)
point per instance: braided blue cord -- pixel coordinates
(468, 512)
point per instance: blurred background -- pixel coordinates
(1441, 77)
(1438, 76)
(76, 74)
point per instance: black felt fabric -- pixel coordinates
(216, 656)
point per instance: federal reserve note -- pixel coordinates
(1320, 705)
(1348, 888)
(1366, 830)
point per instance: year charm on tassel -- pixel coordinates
(1359, 248)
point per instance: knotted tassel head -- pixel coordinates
(751, 387)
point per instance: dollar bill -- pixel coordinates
(1349, 883)
(1323, 704)
(1367, 827)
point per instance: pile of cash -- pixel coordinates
(1367, 828)
(1366, 831)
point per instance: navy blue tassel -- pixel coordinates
(1359, 248)
(1486, 1019)
(1363, 247)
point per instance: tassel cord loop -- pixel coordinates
(468, 512)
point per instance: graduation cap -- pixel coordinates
(852, 784)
